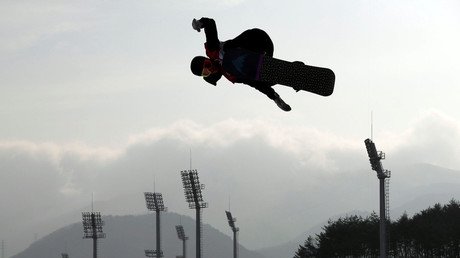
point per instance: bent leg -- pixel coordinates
(255, 40)
(265, 88)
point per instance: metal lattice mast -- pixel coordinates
(92, 227)
(231, 223)
(387, 197)
(194, 198)
(3, 248)
(183, 238)
(383, 176)
(155, 203)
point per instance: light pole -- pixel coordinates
(183, 238)
(3, 248)
(155, 203)
(231, 223)
(194, 198)
(92, 227)
(383, 176)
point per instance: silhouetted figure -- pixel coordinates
(210, 68)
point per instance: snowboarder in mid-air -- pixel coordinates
(210, 67)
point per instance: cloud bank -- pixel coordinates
(292, 175)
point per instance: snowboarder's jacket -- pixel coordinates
(214, 50)
(255, 40)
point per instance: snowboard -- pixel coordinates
(248, 65)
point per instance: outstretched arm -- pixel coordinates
(210, 30)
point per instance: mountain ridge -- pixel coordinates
(130, 235)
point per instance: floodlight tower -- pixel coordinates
(383, 176)
(155, 203)
(92, 226)
(231, 223)
(194, 197)
(183, 238)
(3, 248)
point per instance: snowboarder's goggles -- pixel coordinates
(207, 66)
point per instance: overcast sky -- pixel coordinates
(97, 96)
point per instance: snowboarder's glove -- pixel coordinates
(197, 25)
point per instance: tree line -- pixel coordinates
(434, 232)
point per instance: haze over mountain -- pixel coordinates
(129, 236)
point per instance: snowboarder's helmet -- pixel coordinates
(197, 65)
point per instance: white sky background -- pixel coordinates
(91, 90)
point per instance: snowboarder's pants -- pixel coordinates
(258, 41)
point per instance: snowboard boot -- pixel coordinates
(281, 104)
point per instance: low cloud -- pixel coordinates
(258, 164)
(307, 144)
(432, 138)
